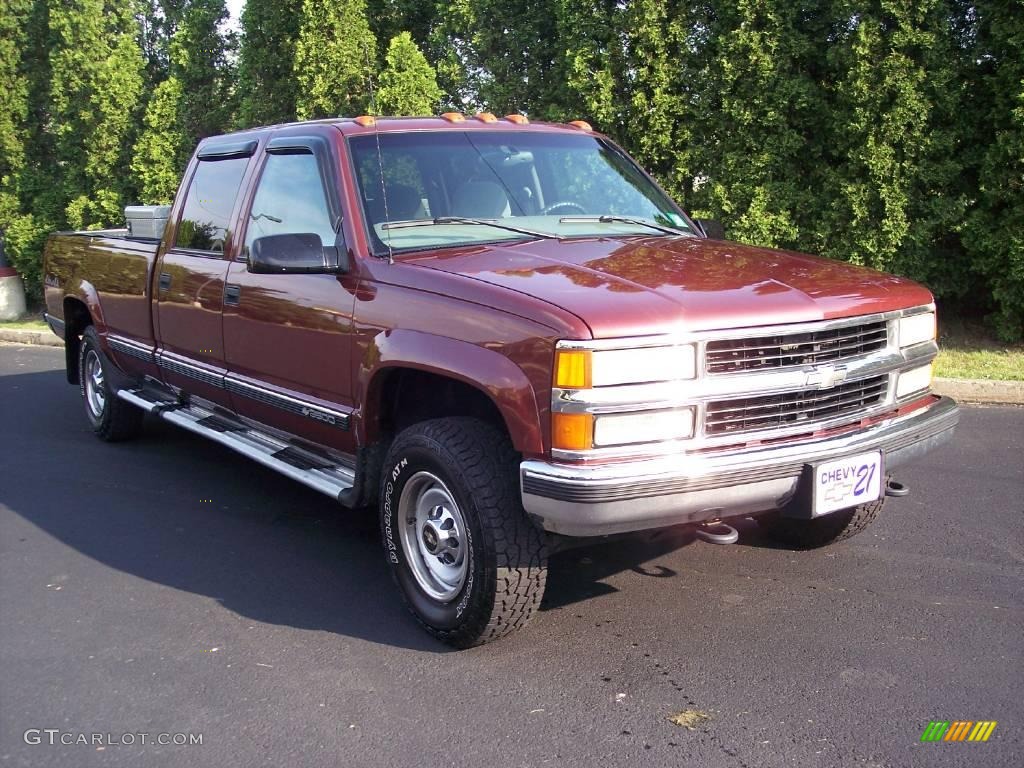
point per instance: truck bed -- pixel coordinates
(102, 268)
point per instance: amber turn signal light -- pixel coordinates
(572, 368)
(572, 431)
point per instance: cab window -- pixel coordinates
(290, 199)
(208, 204)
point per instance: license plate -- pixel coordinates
(845, 483)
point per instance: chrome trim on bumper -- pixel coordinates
(580, 500)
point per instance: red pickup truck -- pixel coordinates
(499, 334)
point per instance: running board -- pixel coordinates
(310, 469)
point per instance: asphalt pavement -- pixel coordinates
(169, 586)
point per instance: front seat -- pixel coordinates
(481, 200)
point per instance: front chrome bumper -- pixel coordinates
(578, 500)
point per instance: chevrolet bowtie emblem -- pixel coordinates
(826, 376)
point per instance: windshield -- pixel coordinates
(443, 188)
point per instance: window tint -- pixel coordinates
(290, 199)
(208, 204)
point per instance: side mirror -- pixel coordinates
(301, 253)
(712, 228)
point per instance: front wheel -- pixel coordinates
(468, 562)
(821, 531)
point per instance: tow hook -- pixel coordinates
(895, 488)
(717, 532)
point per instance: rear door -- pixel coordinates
(190, 273)
(288, 337)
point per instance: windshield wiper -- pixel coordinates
(464, 220)
(618, 220)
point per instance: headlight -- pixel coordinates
(916, 329)
(651, 427)
(914, 380)
(585, 368)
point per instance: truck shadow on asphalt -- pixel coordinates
(182, 512)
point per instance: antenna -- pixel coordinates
(380, 159)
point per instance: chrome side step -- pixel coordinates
(310, 469)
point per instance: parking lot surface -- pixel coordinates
(169, 586)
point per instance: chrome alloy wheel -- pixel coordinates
(433, 535)
(95, 385)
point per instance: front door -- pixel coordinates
(190, 280)
(287, 337)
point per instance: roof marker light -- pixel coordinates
(366, 121)
(517, 119)
(454, 117)
(486, 117)
(583, 125)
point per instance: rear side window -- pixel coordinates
(208, 204)
(290, 199)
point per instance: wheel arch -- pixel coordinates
(463, 379)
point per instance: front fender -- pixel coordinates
(489, 371)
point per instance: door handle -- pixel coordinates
(232, 294)
(165, 281)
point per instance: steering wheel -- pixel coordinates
(569, 204)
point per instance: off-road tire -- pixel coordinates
(119, 420)
(821, 531)
(507, 567)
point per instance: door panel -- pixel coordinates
(190, 300)
(287, 337)
(288, 342)
(189, 279)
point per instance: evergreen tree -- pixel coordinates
(202, 60)
(757, 112)
(14, 15)
(334, 59)
(95, 85)
(408, 84)
(389, 18)
(195, 101)
(161, 152)
(890, 195)
(995, 228)
(267, 85)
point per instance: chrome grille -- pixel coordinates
(790, 409)
(784, 351)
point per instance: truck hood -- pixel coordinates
(650, 285)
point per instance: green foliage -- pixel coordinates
(883, 132)
(892, 163)
(195, 101)
(334, 58)
(995, 226)
(201, 59)
(95, 85)
(267, 86)
(408, 84)
(162, 151)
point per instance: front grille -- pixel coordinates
(790, 409)
(784, 351)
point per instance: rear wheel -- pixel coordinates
(469, 563)
(821, 531)
(111, 418)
